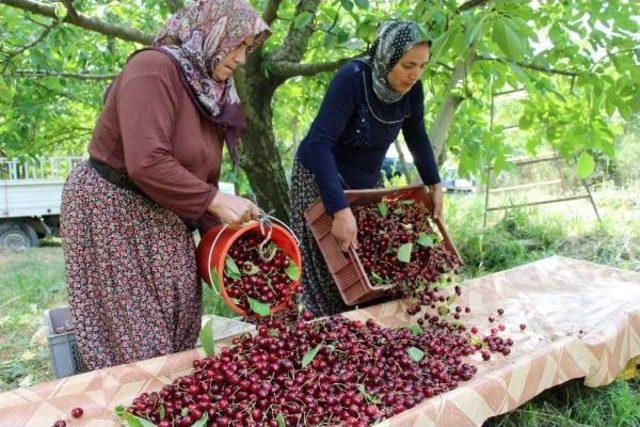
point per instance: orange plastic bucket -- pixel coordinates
(216, 243)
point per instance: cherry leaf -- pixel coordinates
(415, 354)
(259, 307)
(206, 338)
(383, 208)
(310, 355)
(202, 422)
(292, 270)
(404, 252)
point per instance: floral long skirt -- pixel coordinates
(319, 291)
(130, 270)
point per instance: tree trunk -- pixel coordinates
(260, 158)
(439, 131)
(403, 161)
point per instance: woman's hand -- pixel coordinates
(435, 194)
(345, 229)
(233, 210)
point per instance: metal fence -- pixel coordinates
(41, 168)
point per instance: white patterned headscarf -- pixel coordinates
(198, 37)
(393, 39)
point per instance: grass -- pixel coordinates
(30, 283)
(523, 235)
(34, 281)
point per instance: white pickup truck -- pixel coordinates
(30, 193)
(30, 198)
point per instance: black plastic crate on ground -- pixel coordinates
(63, 344)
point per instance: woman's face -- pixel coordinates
(232, 60)
(409, 68)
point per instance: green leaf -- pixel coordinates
(415, 329)
(162, 412)
(259, 307)
(131, 420)
(206, 338)
(302, 19)
(274, 332)
(362, 4)
(202, 422)
(404, 252)
(369, 397)
(415, 354)
(377, 279)
(250, 268)
(347, 4)
(330, 41)
(60, 10)
(508, 40)
(231, 265)
(310, 355)
(215, 280)
(280, 420)
(292, 270)
(427, 240)
(383, 208)
(443, 43)
(231, 268)
(366, 30)
(586, 165)
(474, 31)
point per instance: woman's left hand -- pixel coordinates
(435, 194)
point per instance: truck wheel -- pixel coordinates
(17, 236)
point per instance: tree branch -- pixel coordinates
(28, 46)
(42, 74)
(471, 4)
(71, 11)
(531, 66)
(295, 42)
(270, 12)
(284, 69)
(81, 20)
(175, 5)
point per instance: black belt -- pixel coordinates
(113, 176)
(123, 181)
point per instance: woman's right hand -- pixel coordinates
(345, 229)
(233, 210)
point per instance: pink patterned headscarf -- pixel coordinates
(198, 37)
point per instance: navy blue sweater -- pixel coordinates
(348, 140)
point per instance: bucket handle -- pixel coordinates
(266, 217)
(282, 224)
(215, 241)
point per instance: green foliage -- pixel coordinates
(574, 404)
(506, 44)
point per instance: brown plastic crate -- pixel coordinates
(346, 269)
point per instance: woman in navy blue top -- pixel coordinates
(367, 104)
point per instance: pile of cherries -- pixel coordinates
(333, 371)
(258, 273)
(397, 245)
